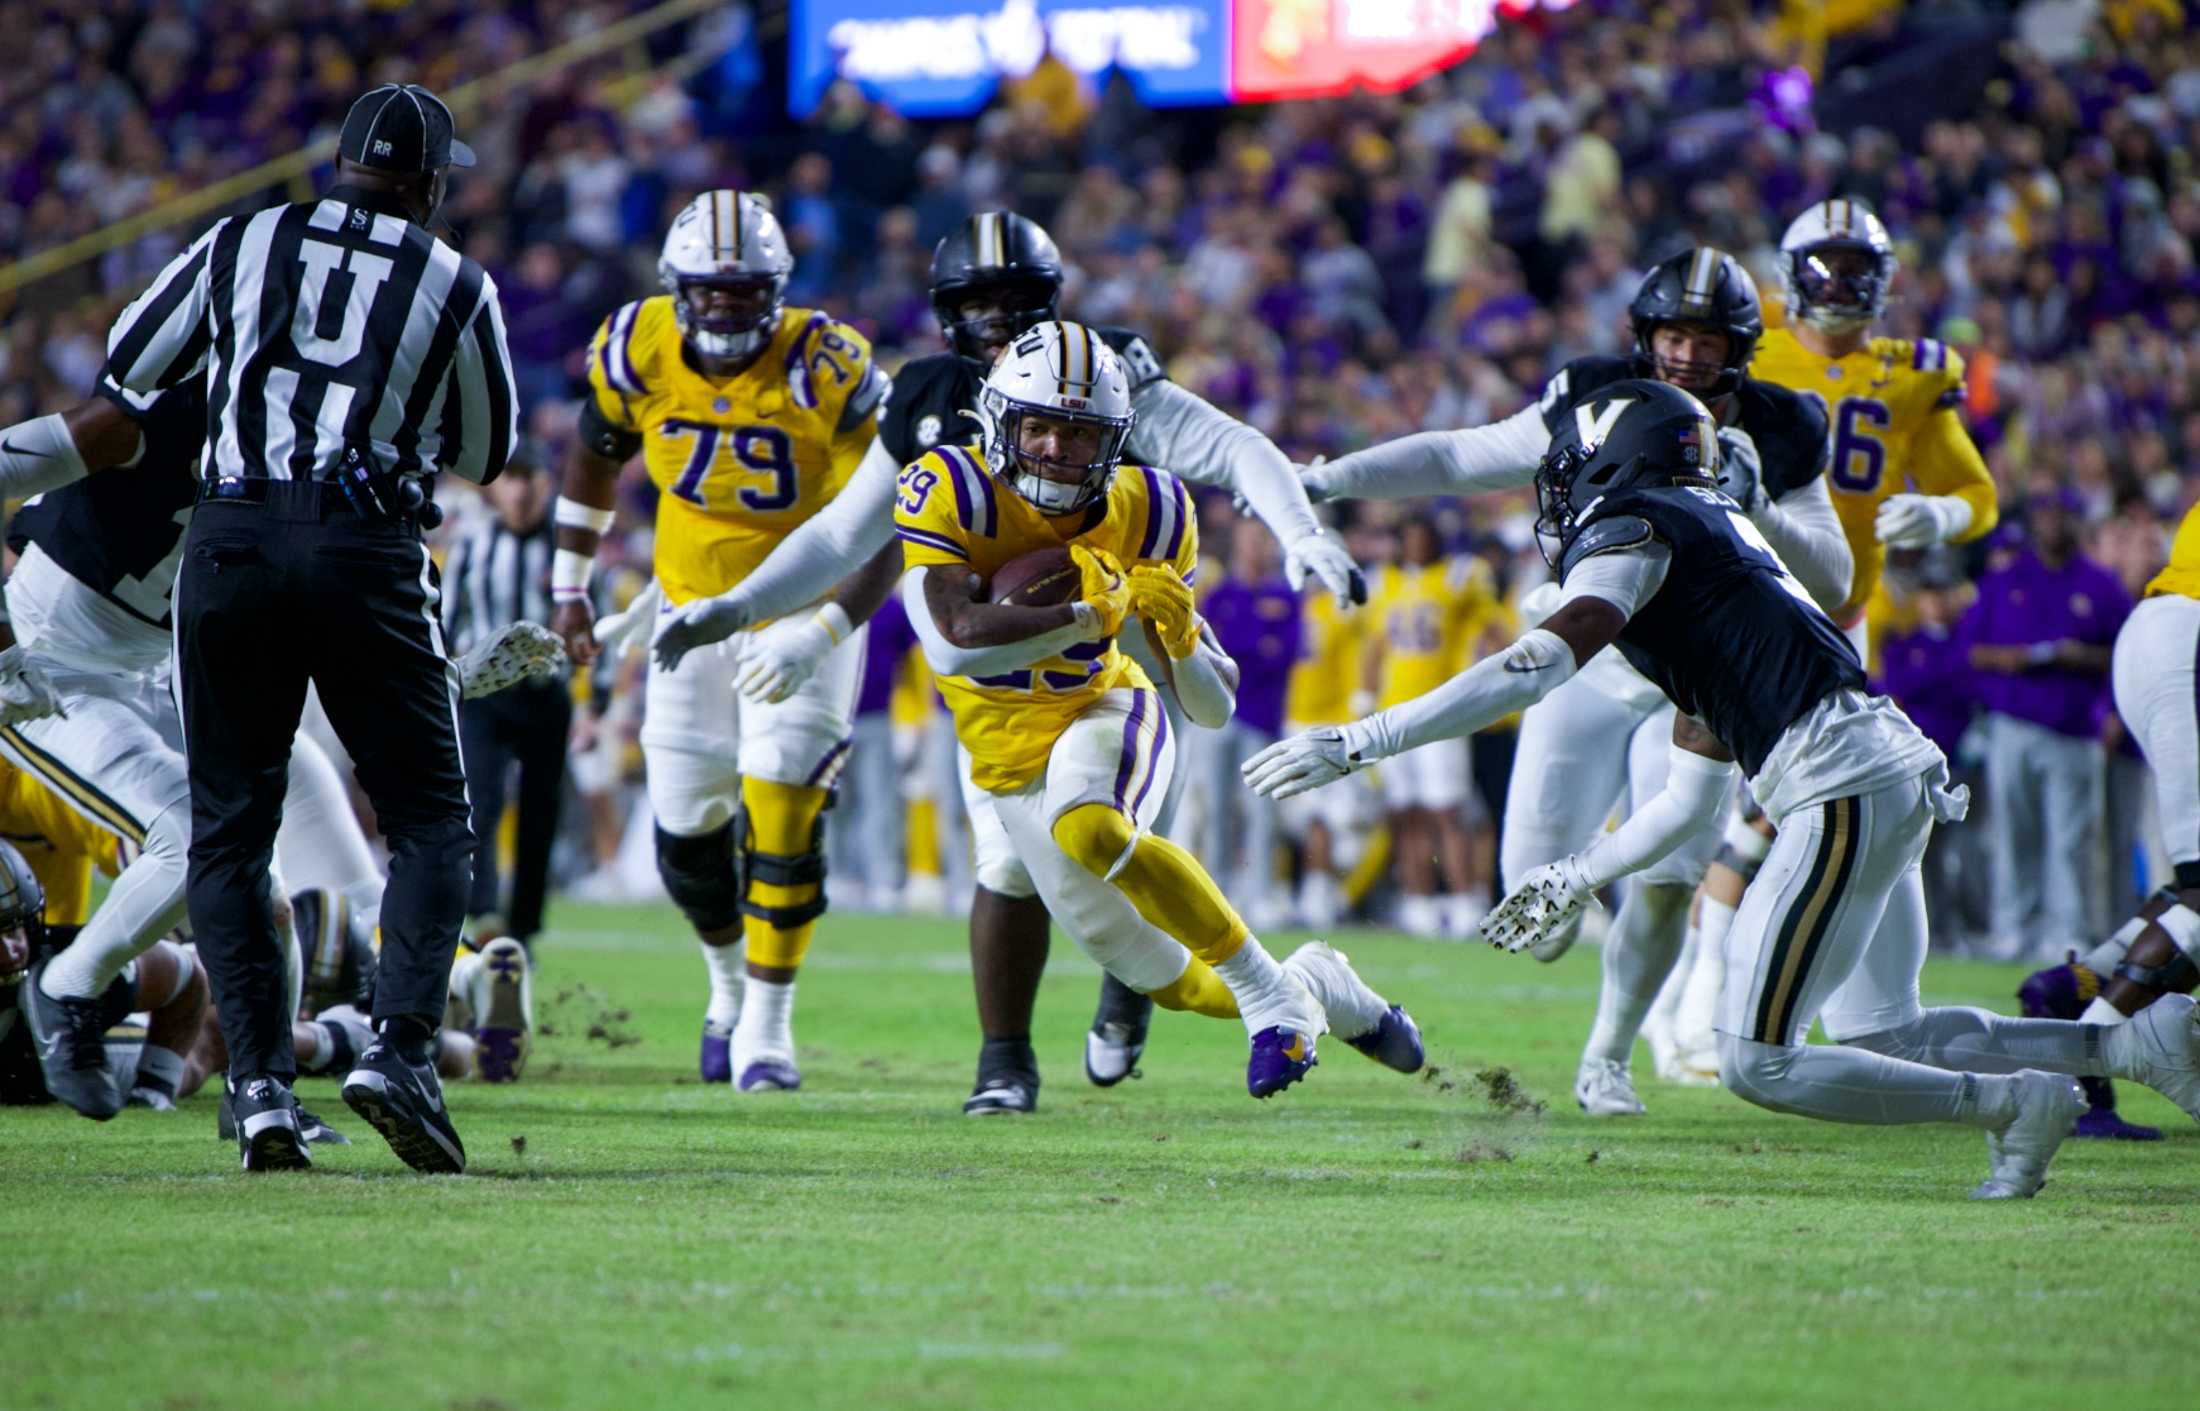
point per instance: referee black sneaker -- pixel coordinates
(404, 1102)
(266, 1117)
(71, 1038)
(1008, 1080)
(1118, 1034)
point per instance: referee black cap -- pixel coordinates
(402, 128)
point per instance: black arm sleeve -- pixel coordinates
(598, 434)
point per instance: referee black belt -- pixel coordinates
(307, 501)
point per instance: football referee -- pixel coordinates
(349, 355)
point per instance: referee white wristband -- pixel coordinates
(569, 575)
(572, 514)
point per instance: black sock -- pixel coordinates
(1008, 1055)
(408, 1038)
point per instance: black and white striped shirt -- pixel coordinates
(324, 325)
(494, 577)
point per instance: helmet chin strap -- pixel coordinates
(1052, 496)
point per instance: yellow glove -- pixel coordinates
(1165, 600)
(1104, 588)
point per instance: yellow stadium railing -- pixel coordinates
(275, 172)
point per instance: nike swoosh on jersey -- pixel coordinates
(1518, 670)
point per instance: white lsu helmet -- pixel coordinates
(1817, 295)
(726, 240)
(1064, 372)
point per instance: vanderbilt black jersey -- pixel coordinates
(120, 532)
(1789, 429)
(931, 395)
(1731, 637)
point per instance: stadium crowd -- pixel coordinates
(1338, 273)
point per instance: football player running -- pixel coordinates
(2153, 954)
(994, 278)
(1653, 557)
(750, 417)
(114, 482)
(1894, 408)
(1696, 321)
(1070, 751)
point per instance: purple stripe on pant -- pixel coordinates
(1129, 765)
(1153, 768)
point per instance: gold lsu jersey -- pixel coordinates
(1319, 690)
(1426, 618)
(1893, 412)
(61, 845)
(740, 462)
(2182, 575)
(951, 512)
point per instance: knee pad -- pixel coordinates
(701, 876)
(780, 870)
(1096, 838)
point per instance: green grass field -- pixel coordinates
(628, 1239)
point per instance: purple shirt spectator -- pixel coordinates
(1258, 625)
(2029, 604)
(884, 650)
(1928, 672)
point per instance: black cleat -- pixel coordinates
(266, 1123)
(71, 1038)
(317, 1132)
(1118, 1034)
(1003, 1095)
(404, 1102)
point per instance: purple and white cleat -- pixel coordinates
(770, 1075)
(1280, 1058)
(503, 1004)
(2100, 1123)
(716, 1061)
(1394, 1042)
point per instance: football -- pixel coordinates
(1041, 578)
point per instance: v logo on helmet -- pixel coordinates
(1593, 428)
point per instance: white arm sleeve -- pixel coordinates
(1625, 578)
(828, 546)
(947, 659)
(1185, 434)
(1803, 529)
(37, 456)
(1696, 788)
(1200, 688)
(1500, 456)
(1486, 692)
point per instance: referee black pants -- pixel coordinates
(524, 726)
(274, 592)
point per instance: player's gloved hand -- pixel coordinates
(1104, 588)
(1165, 600)
(698, 624)
(1741, 468)
(623, 633)
(1546, 900)
(1306, 761)
(25, 691)
(1914, 521)
(1320, 556)
(778, 660)
(1313, 481)
(523, 651)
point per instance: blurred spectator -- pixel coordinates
(2039, 639)
(1927, 669)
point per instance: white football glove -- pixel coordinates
(25, 692)
(698, 624)
(1741, 468)
(1914, 521)
(1544, 902)
(524, 651)
(776, 661)
(1321, 556)
(625, 632)
(1305, 761)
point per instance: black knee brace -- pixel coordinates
(702, 876)
(780, 870)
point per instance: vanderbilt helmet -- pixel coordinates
(1000, 259)
(726, 262)
(1706, 288)
(1064, 373)
(1629, 435)
(1837, 265)
(339, 950)
(22, 919)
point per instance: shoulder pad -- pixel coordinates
(1140, 361)
(1789, 428)
(1169, 514)
(623, 347)
(1609, 535)
(1577, 380)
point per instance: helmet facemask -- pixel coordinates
(979, 319)
(1838, 286)
(1086, 449)
(1702, 379)
(727, 315)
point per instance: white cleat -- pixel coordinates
(502, 996)
(2048, 1105)
(2160, 1047)
(524, 651)
(1604, 1089)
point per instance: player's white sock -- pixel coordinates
(1267, 995)
(1695, 1025)
(1319, 898)
(145, 903)
(765, 1028)
(2103, 959)
(1638, 955)
(1665, 1009)
(2102, 1012)
(726, 965)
